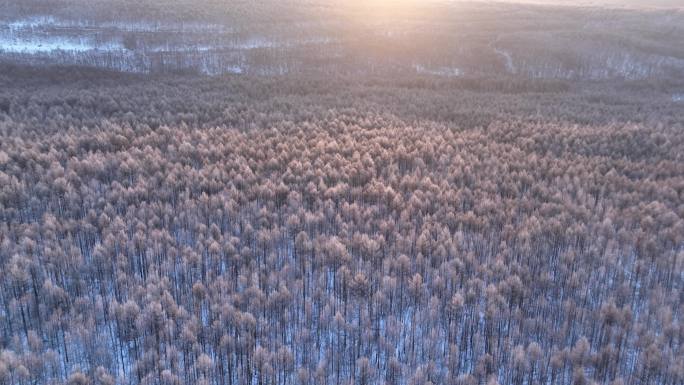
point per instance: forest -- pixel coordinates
(233, 230)
(306, 192)
(358, 37)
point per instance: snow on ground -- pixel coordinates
(439, 71)
(36, 45)
(46, 22)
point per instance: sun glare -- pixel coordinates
(382, 10)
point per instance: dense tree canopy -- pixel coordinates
(337, 231)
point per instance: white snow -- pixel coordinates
(37, 45)
(261, 42)
(678, 98)
(254, 43)
(41, 22)
(33, 22)
(439, 71)
(186, 48)
(234, 70)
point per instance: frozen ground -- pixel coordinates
(144, 46)
(41, 44)
(438, 71)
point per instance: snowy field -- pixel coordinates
(330, 46)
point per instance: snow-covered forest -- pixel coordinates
(354, 218)
(289, 231)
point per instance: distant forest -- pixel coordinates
(234, 230)
(353, 37)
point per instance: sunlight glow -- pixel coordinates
(384, 10)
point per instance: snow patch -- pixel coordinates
(440, 71)
(37, 45)
(31, 23)
(234, 70)
(42, 22)
(261, 42)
